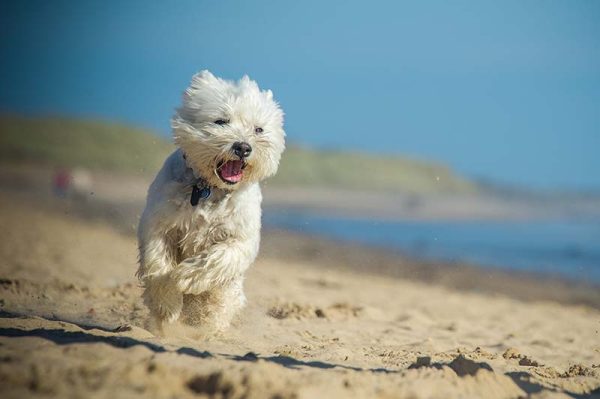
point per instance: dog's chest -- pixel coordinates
(209, 222)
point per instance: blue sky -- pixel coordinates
(507, 90)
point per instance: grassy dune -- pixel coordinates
(91, 144)
(114, 147)
(356, 170)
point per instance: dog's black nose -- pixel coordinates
(242, 150)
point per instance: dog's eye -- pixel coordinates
(221, 122)
(258, 130)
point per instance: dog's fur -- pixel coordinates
(193, 258)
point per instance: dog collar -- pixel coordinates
(199, 193)
(200, 188)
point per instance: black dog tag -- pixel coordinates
(199, 193)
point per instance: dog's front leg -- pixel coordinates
(216, 267)
(213, 283)
(161, 294)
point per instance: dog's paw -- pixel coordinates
(170, 312)
(164, 300)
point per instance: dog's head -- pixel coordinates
(230, 132)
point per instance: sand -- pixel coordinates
(72, 325)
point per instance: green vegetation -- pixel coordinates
(364, 171)
(114, 147)
(71, 142)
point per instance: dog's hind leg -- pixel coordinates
(214, 309)
(163, 298)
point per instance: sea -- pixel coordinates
(560, 248)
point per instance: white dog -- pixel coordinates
(200, 230)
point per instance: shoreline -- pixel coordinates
(117, 203)
(365, 259)
(398, 206)
(281, 244)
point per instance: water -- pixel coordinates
(565, 248)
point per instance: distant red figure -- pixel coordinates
(61, 183)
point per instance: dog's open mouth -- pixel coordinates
(231, 172)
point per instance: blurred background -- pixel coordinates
(450, 134)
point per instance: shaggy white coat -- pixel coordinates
(193, 258)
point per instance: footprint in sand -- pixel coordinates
(291, 310)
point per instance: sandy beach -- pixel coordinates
(318, 322)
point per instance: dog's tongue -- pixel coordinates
(232, 171)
